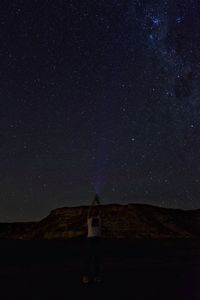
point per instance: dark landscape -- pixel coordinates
(131, 270)
(130, 221)
(160, 264)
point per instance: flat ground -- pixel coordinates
(131, 270)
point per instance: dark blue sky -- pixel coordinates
(98, 95)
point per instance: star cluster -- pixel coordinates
(98, 96)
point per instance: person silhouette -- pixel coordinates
(92, 264)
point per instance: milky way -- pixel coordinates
(98, 96)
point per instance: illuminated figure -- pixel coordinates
(92, 265)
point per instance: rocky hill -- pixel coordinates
(119, 222)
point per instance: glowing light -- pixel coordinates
(179, 19)
(156, 20)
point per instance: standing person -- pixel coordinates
(92, 265)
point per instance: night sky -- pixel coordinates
(98, 96)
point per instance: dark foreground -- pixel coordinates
(132, 270)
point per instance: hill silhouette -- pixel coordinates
(131, 221)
